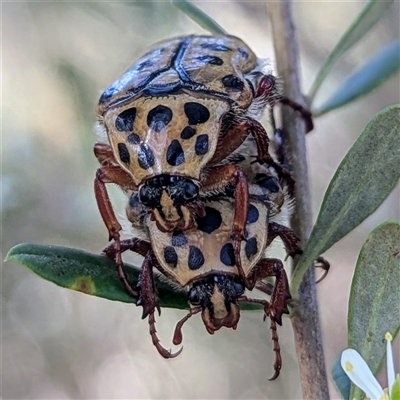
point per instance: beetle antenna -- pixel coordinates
(177, 338)
(156, 341)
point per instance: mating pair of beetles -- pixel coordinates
(185, 145)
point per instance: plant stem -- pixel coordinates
(305, 318)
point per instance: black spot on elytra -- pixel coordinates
(201, 146)
(145, 156)
(124, 153)
(196, 258)
(179, 239)
(268, 182)
(210, 222)
(170, 256)
(175, 154)
(188, 132)
(232, 81)
(124, 121)
(252, 214)
(215, 47)
(133, 138)
(227, 255)
(196, 113)
(251, 247)
(243, 52)
(159, 117)
(211, 60)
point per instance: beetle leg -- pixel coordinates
(112, 174)
(273, 267)
(115, 251)
(146, 289)
(288, 237)
(275, 338)
(148, 299)
(156, 341)
(218, 178)
(267, 91)
(305, 114)
(240, 130)
(104, 154)
(320, 262)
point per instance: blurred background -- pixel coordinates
(59, 344)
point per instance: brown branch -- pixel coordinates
(305, 319)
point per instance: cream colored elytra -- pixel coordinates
(193, 254)
(158, 143)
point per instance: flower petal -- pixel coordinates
(359, 373)
(389, 362)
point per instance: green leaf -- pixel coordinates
(200, 17)
(88, 273)
(372, 74)
(92, 274)
(340, 379)
(363, 180)
(368, 17)
(396, 390)
(374, 304)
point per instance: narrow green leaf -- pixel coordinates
(198, 16)
(87, 273)
(368, 17)
(374, 304)
(92, 274)
(340, 379)
(365, 177)
(396, 390)
(379, 68)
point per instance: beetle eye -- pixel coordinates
(239, 289)
(191, 191)
(194, 297)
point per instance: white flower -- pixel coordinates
(359, 373)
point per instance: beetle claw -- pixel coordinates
(156, 341)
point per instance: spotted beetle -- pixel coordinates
(202, 260)
(171, 121)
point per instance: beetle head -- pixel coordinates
(172, 199)
(217, 295)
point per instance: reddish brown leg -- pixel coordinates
(273, 267)
(148, 299)
(104, 154)
(217, 178)
(115, 251)
(267, 89)
(305, 114)
(146, 289)
(112, 174)
(275, 338)
(288, 237)
(265, 287)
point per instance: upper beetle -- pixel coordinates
(171, 120)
